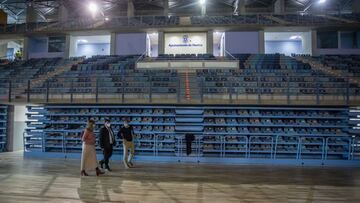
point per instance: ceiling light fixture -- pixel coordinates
(93, 8)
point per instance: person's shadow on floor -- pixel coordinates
(88, 189)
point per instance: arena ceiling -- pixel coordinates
(48, 10)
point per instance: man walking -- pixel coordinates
(126, 133)
(107, 141)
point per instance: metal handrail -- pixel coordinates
(234, 58)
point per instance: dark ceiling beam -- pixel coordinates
(263, 2)
(308, 5)
(41, 14)
(298, 3)
(20, 12)
(228, 3)
(345, 4)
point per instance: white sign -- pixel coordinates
(185, 43)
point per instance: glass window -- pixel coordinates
(349, 40)
(56, 44)
(327, 40)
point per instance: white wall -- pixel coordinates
(281, 42)
(148, 46)
(185, 43)
(19, 127)
(284, 47)
(218, 43)
(222, 45)
(306, 42)
(89, 45)
(90, 50)
(152, 44)
(154, 50)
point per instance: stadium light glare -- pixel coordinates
(202, 2)
(82, 41)
(106, 19)
(322, 1)
(93, 8)
(295, 37)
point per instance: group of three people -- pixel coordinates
(106, 141)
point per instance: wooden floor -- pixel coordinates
(54, 180)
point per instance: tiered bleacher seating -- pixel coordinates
(259, 75)
(143, 21)
(307, 19)
(229, 20)
(111, 75)
(161, 20)
(349, 65)
(20, 72)
(283, 132)
(272, 75)
(297, 19)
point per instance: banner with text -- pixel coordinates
(185, 43)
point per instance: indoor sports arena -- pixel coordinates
(179, 101)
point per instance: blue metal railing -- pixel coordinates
(221, 149)
(285, 89)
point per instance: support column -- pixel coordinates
(67, 47)
(3, 49)
(25, 51)
(279, 6)
(210, 42)
(130, 9)
(356, 6)
(261, 42)
(166, 7)
(31, 15)
(113, 43)
(63, 13)
(314, 48)
(161, 43)
(203, 8)
(19, 124)
(239, 7)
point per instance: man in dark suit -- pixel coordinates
(107, 141)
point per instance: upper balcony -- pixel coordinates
(141, 22)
